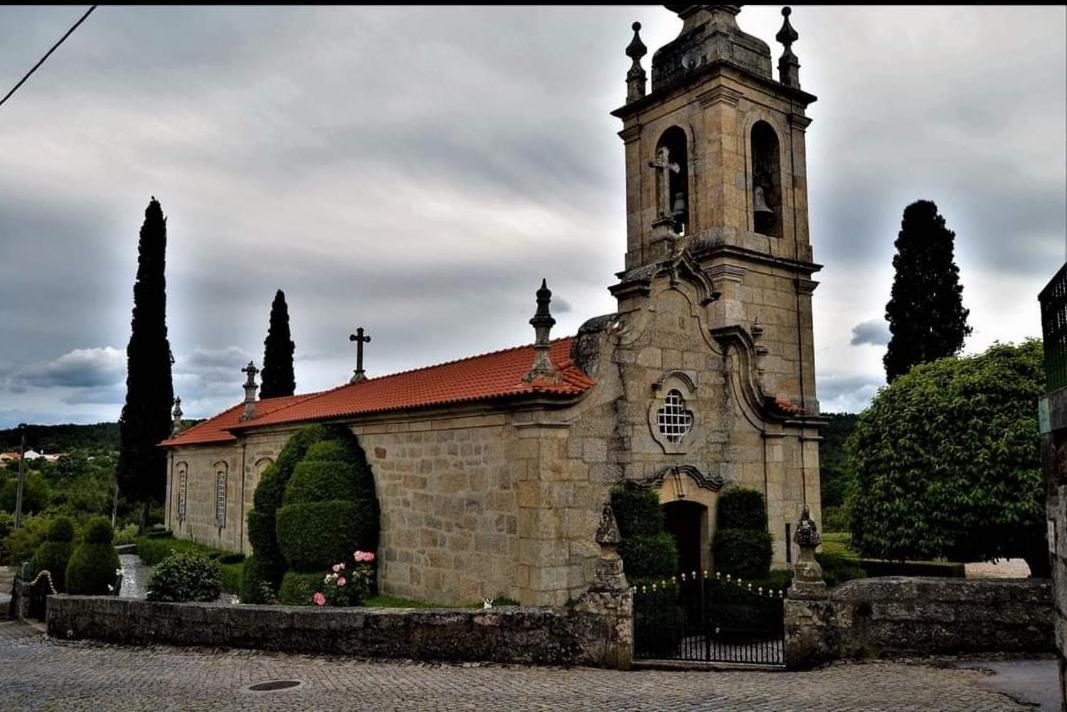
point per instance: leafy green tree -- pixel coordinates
(146, 419)
(946, 462)
(93, 566)
(925, 310)
(35, 494)
(278, 378)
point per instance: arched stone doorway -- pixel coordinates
(689, 499)
(687, 522)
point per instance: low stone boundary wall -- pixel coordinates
(506, 635)
(881, 617)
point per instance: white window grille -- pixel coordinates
(220, 497)
(183, 491)
(674, 420)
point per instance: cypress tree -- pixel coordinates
(925, 310)
(278, 379)
(146, 419)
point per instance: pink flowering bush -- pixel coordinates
(348, 585)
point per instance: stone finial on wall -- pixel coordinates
(807, 574)
(176, 427)
(636, 77)
(542, 322)
(250, 391)
(609, 574)
(788, 64)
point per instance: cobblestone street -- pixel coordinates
(39, 674)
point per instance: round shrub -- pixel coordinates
(315, 535)
(258, 579)
(62, 529)
(637, 511)
(330, 451)
(744, 553)
(269, 491)
(320, 482)
(99, 531)
(93, 563)
(742, 509)
(53, 554)
(185, 576)
(297, 589)
(654, 556)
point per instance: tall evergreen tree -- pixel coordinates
(925, 310)
(146, 419)
(278, 379)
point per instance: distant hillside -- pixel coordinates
(833, 474)
(63, 438)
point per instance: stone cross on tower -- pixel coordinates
(664, 168)
(250, 391)
(360, 339)
(177, 415)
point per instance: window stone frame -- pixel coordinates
(685, 383)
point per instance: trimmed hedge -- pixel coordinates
(646, 557)
(318, 481)
(256, 577)
(316, 535)
(744, 553)
(154, 550)
(637, 511)
(92, 565)
(231, 577)
(297, 589)
(185, 576)
(53, 554)
(742, 509)
(742, 543)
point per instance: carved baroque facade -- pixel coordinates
(702, 378)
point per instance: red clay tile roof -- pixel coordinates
(215, 430)
(485, 377)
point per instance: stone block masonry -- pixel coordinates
(893, 616)
(587, 635)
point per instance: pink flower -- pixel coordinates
(366, 556)
(319, 599)
(341, 567)
(336, 568)
(341, 581)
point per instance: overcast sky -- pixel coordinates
(417, 170)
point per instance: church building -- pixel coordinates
(492, 471)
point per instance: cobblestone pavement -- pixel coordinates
(40, 674)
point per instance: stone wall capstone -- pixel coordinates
(583, 635)
(895, 615)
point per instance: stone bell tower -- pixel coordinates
(715, 183)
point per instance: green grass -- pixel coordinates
(838, 544)
(384, 601)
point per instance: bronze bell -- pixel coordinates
(760, 203)
(678, 210)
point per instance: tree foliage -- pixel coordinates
(146, 418)
(925, 310)
(278, 347)
(946, 461)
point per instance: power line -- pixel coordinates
(54, 47)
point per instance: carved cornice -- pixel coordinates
(630, 133)
(798, 122)
(638, 282)
(719, 95)
(681, 375)
(805, 286)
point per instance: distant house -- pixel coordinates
(6, 457)
(34, 455)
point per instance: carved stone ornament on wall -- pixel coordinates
(671, 416)
(680, 478)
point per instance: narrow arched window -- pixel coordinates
(220, 495)
(183, 490)
(674, 140)
(766, 198)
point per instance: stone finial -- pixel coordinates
(636, 77)
(608, 534)
(788, 65)
(250, 391)
(807, 574)
(609, 576)
(542, 322)
(177, 414)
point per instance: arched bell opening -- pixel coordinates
(766, 181)
(674, 140)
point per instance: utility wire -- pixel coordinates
(54, 47)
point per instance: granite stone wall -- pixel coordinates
(588, 634)
(889, 616)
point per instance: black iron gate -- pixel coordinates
(702, 618)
